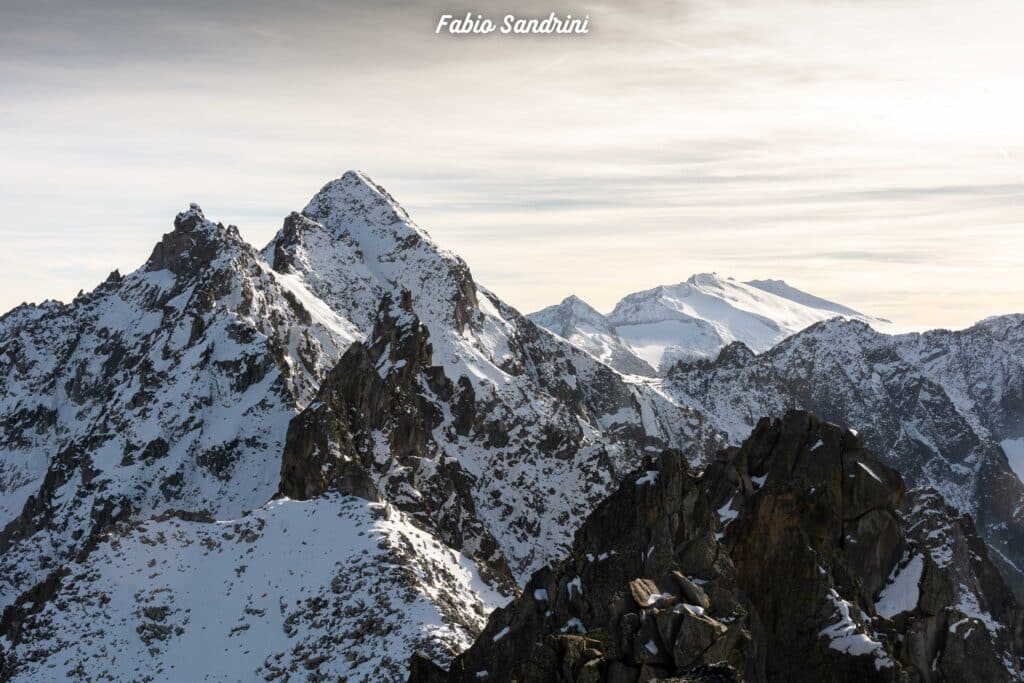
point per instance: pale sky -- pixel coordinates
(871, 152)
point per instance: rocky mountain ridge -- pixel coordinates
(795, 557)
(169, 387)
(937, 405)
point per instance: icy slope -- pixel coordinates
(786, 291)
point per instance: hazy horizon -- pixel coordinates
(867, 154)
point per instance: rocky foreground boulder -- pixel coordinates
(798, 556)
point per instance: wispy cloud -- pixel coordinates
(866, 151)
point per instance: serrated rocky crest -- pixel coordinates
(795, 557)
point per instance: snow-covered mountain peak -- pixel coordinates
(839, 327)
(576, 320)
(696, 318)
(569, 311)
(353, 242)
(193, 210)
(193, 219)
(691, 320)
(575, 301)
(355, 204)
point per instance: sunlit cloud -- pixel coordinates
(868, 152)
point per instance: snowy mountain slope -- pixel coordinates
(171, 387)
(693, 319)
(937, 404)
(786, 291)
(317, 590)
(696, 318)
(578, 323)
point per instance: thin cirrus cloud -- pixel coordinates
(867, 152)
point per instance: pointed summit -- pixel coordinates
(354, 201)
(581, 309)
(697, 317)
(707, 280)
(353, 242)
(190, 218)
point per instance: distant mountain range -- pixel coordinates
(315, 459)
(649, 331)
(945, 408)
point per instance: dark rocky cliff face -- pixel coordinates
(370, 434)
(796, 557)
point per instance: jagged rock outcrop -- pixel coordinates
(370, 433)
(795, 557)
